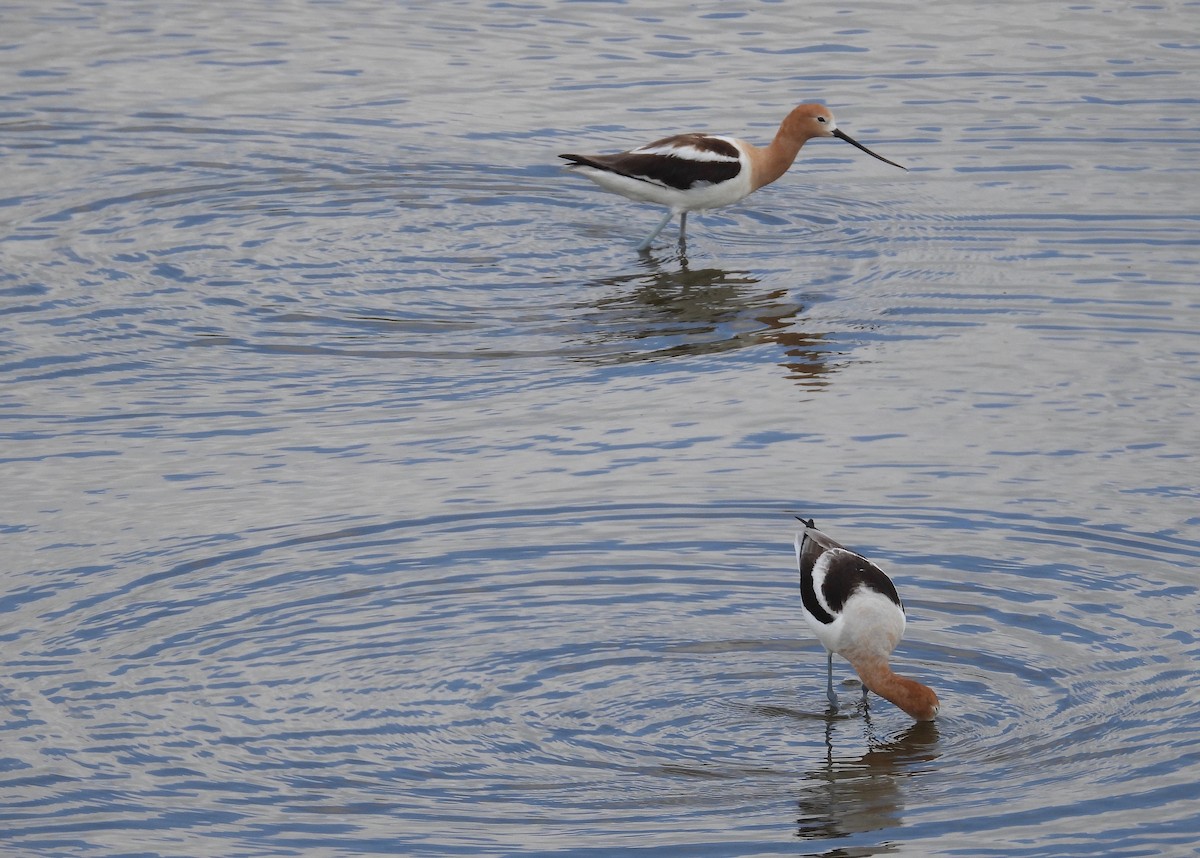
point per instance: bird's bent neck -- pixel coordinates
(916, 699)
(773, 160)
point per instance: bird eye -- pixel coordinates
(821, 119)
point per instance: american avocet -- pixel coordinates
(691, 172)
(855, 611)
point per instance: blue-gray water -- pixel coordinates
(366, 493)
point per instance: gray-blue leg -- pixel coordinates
(662, 223)
(682, 225)
(829, 688)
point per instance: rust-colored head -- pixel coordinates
(815, 120)
(921, 702)
(807, 121)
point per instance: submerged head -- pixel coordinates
(816, 120)
(923, 703)
(915, 698)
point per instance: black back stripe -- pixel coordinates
(809, 553)
(675, 172)
(670, 171)
(848, 572)
(845, 573)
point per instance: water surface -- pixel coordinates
(368, 494)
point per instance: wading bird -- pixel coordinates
(691, 172)
(855, 611)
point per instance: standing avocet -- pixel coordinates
(855, 611)
(691, 172)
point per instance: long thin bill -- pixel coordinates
(842, 135)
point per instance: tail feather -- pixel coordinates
(585, 161)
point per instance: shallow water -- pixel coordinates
(367, 492)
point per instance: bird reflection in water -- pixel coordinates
(663, 311)
(855, 795)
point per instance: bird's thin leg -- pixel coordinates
(682, 226)
(662, 223)
(865, 690)
(829, 687)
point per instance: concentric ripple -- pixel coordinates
(367, 493)
(415, 679)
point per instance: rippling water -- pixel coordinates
(367, 492)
